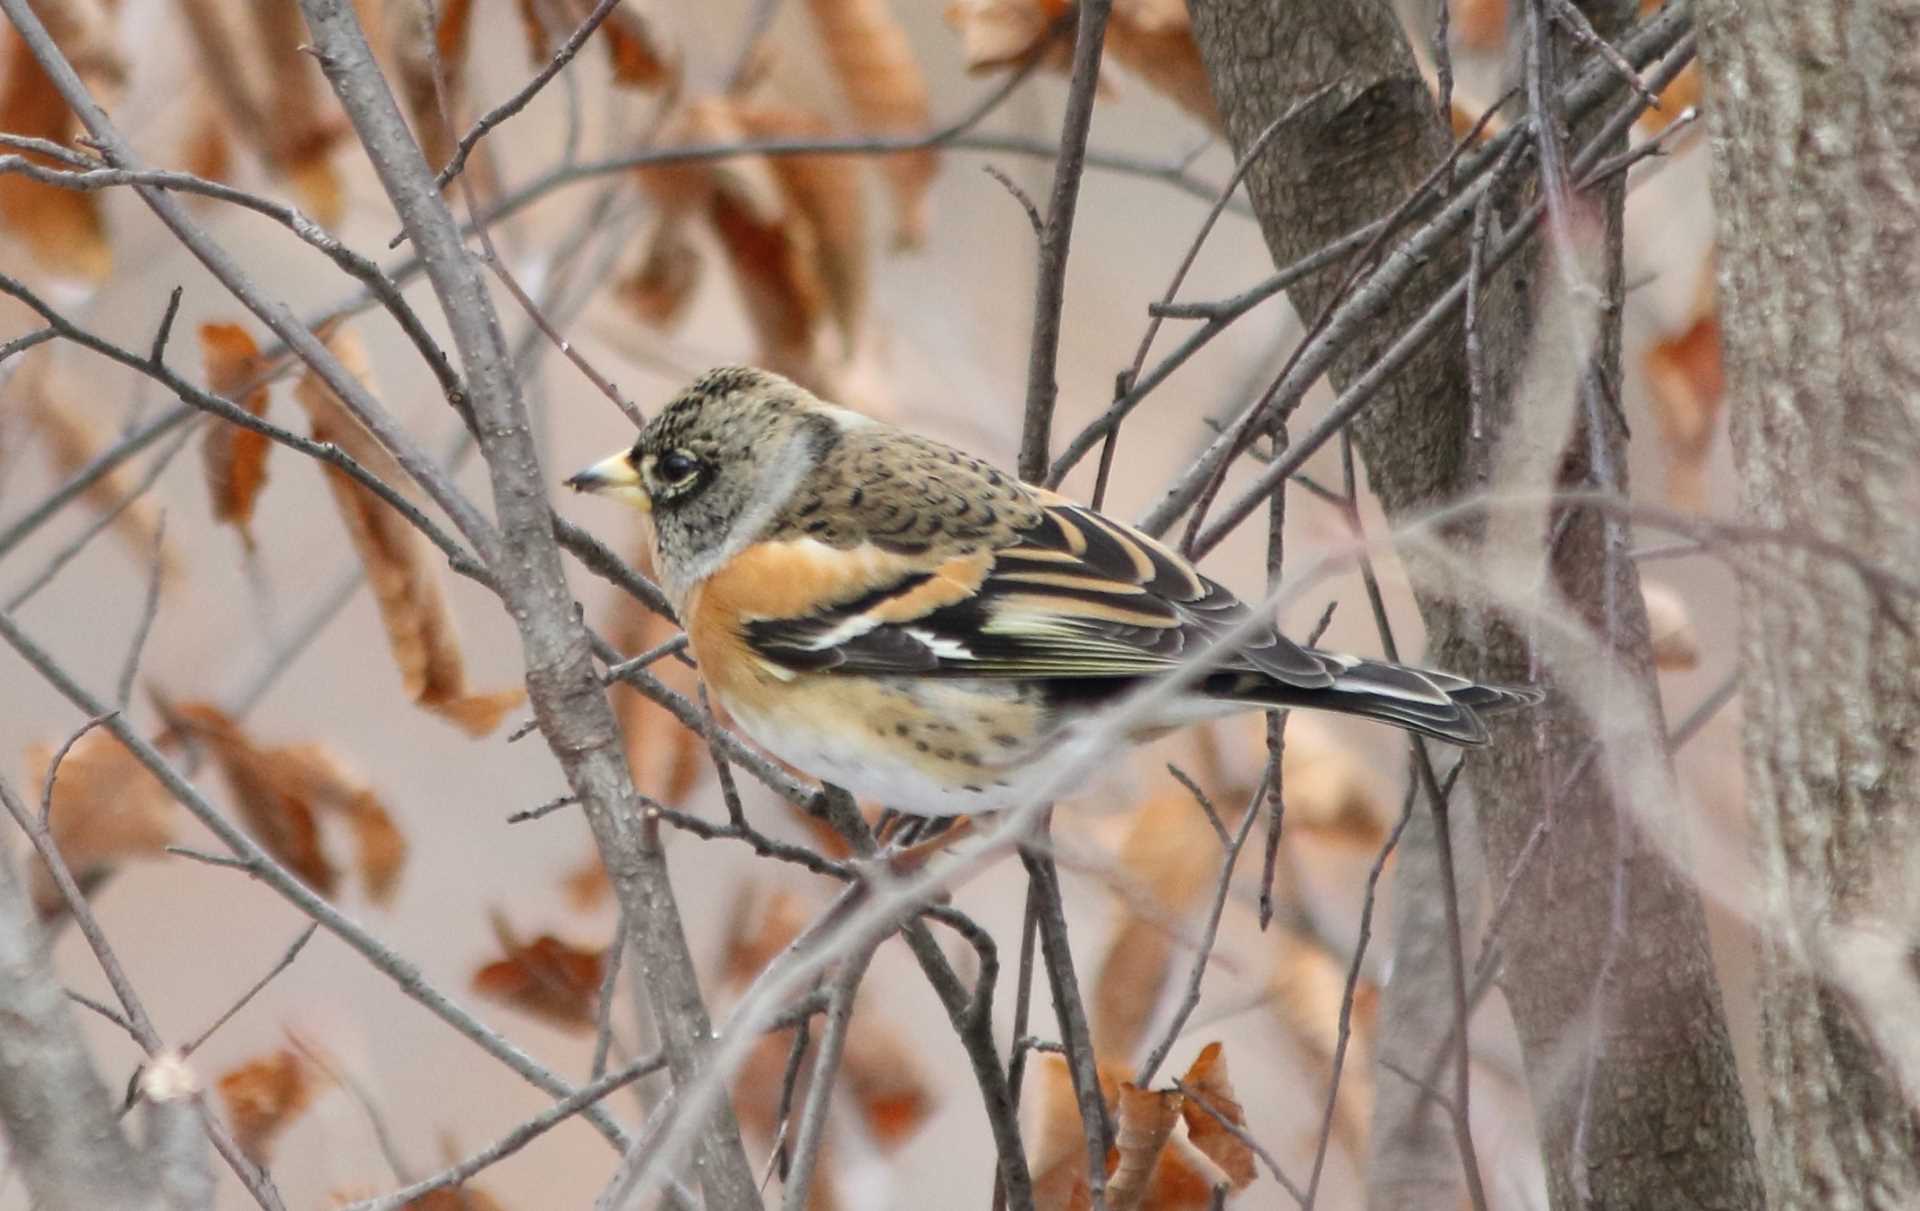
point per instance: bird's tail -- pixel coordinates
(1425, 701)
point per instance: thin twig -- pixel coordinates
(1050, 276)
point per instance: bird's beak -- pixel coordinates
(613, 476)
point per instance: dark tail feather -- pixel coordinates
(1430, 703)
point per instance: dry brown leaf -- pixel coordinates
(1059, 1134)
(72, 441)
(281, 792)
(235, 458)
(264, 1096)
(1675, 646)
(662, 285)
(1211, 1090)
(419, 32)
(1306, 988)
(665, 756)
(403, 568)
(1687, 384)
(883, 83)
(107, 808)
(553, 980)
(637, 61)
(1479, 24)
(1143, 1122)
(890, 1087)
(63, 228)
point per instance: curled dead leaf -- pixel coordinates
(302, 121)
(1675, 646)
(1154, 40)
(235, 459)
(403, 568)
(107, 808)
(1001, 33)
(263, 1097)
(553, 980)
(1143, 1122)
(1210, 1101)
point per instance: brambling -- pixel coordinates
(900, 618)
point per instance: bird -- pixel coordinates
(900, 618)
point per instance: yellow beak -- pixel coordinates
(615, 476)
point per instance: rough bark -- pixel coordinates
(1657, 1119)
(58, 1117)
(1815, 118)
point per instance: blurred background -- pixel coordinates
(939, 344)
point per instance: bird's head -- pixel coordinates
(715, 465)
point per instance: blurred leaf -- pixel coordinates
(403, 566)
(586, 885)
(381, 847)
(1687, 386)
(760, 927)
(636, 60)
(823, 192)
(870, 54)
(417, 33)
(235, 459)
(63, 228)
(553, 980)
(302, 121)
(1479, 24)
(72, 441)
(1001, 33)
(890, 1087)
(1307, 986)
(264, 1096)
(1171, 855)
(1330, 789)
(660, 288)
(1207, 1080)
(106, 808)
(1154, 40)
(1675, 645)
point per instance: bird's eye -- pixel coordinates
(677, 468)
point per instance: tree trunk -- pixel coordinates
(1649, 1113)
(1815, 118)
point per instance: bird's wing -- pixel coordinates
(1076, 595)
